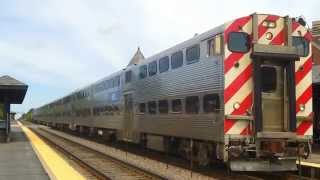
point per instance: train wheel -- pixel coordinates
(203, 157)
(304, 151)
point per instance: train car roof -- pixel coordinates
(188, 43)
(196, 39)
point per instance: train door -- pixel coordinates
(274, 98)
(128, 112)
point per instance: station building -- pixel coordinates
(12, 91)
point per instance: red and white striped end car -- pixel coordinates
(267, 92)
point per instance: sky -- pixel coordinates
(57, 46)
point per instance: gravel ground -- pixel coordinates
(150, 165)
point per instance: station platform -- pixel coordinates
(18, 159)
(27, 156)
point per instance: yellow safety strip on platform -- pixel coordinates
(309, 164)
(56, 166)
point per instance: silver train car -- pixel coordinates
(238, 93)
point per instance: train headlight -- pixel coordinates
(269, 24)
(269, 35)
(302, 107)
(236, 105)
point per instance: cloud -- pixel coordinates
(40, 64)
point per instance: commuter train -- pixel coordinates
(240, 93)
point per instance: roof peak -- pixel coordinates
(8, 81)
(137, 57)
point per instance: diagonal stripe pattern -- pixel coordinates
(303, 80)
(239, 82)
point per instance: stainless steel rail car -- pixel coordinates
(239, 93)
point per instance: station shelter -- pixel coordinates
(12, 91)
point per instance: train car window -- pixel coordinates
(193, 54)
(302, 45)
(110, 82)
(176, 105)
(163, 107)
(192, 104)
(152, 68)
(113, 83)
(269, 79)
(152, 107)
(105, 84)
(214, 46)
(211, 47)
(211, 103)
(164, 64)
(142, 107)
(238, 42)
(128, 76)
(143, 71)
(118, 81)
(176, 59)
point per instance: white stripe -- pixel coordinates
(238, 127)
(302, 60)
(274, 31)
(298, 123)
(308, 109)
(239, 96)
(226, 51)
(248, 27)
(261, 18)
(309, 132)
(234, 72)
(300, 28)
(305, 82)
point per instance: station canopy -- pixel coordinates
(12, 91)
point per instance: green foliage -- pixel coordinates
(28, 115)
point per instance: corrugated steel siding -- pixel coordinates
(203, 77)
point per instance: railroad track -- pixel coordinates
(104, 167)
(98, 164)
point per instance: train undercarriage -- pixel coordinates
(242, 154)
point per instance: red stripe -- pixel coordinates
(295, 25)
(304, 98)
(228, 123)
(235, 26)
(308, 36)
(237, 83)
(300, 74)
(262, 29)
(303, 127)
(244, 106)
(278, 39)
(231, 60)
(246, 131)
